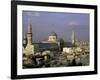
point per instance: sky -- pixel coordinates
(43, 23)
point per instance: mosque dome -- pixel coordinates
(53, 34)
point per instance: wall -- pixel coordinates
(5, 40)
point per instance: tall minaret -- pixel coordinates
(29, 35)
(73, 37)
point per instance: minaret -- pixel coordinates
(29, 35)
(73, 37)
(25, 40)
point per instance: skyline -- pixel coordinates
(43, 23)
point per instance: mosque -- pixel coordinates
(52, 44)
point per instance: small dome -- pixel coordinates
(53, 34)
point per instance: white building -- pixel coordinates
(67, 50)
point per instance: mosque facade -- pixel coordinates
(44, 53)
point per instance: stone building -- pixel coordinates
(52, 37)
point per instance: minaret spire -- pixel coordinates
(29, 34)
(29, 28)
(73, 37)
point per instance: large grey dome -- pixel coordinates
(53, 34)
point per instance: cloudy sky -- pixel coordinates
(43, 23)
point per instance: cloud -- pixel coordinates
(33, 13)
(36, 14)
(73, 23)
